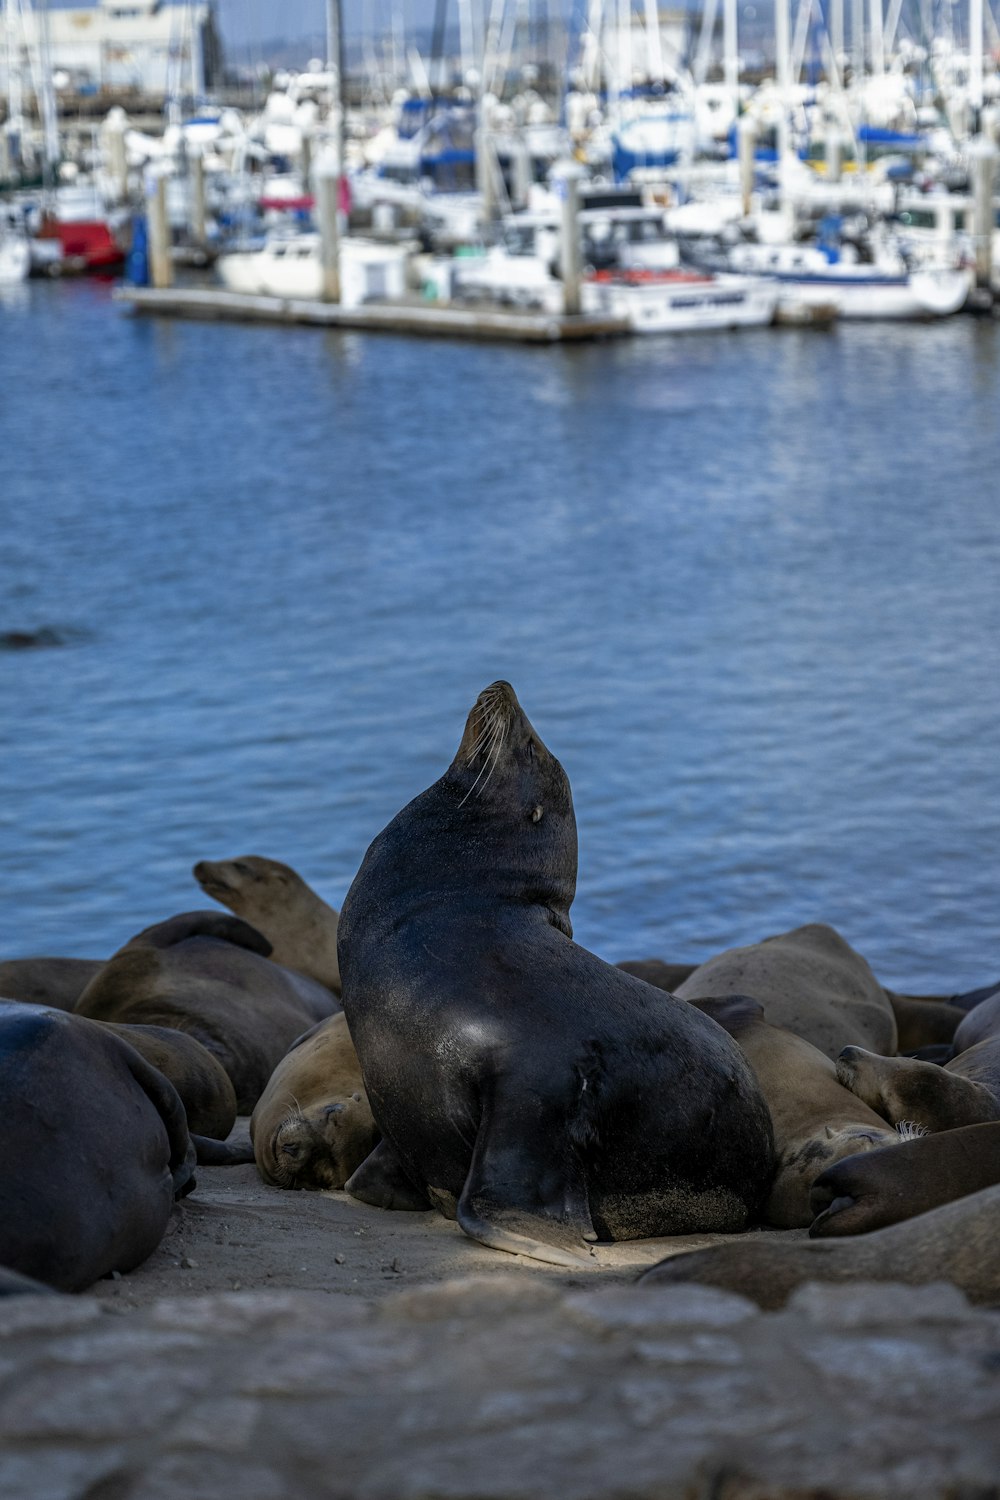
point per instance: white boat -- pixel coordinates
(15, 258)
(681, 301)
(807, 277)
(289, 265)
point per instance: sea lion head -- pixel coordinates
(515, 801)
(320, 1149)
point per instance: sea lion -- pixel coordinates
(957, 1242)
(868, 1192)
(313, 1125)
(58, 982)
(810, 982)
(95, 1148)
(655, 971)
(301, 927)
(965, 1091)
(528, 1088)
(816, 1120)
(205, 1088)
(204, 973)
(922, 1023)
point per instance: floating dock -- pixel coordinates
(432, 320)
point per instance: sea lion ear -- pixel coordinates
(536, 814)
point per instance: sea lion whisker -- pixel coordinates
(497, 733)
(485, 727)
(496, 759)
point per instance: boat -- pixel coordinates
(290, 265)
(677, 301)
(15, 254)
(76, 232)
(808, 275)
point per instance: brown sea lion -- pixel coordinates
(965, 1091)
(810, 982)
(95, 1148)
(957, 1242)
(204, 973)
(300, 926)
(868, 1192)
(312, 1126)
(543, 1097)
(58, 982)
(816, 1120)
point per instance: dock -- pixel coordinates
(431, 320)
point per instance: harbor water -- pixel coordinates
(746, 586)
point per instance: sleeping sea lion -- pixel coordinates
(957, 1243)
(95, 1148)
(868, 1192)
(816, 1120)
(540, 1095)
(205, 973)
(810, 982)
(58, 982)
(312, 1125)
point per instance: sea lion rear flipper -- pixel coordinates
(381, 1181)
(526, 1191)
(165, 1098)
(221, 1153)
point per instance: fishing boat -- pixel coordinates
(677, 301)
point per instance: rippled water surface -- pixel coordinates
(747, 587)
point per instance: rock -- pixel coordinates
(504, 1388)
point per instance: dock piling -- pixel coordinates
(566, 176)
(983, 167)
(327, 209)
(747, 143)
(161, 268)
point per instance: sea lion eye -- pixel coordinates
(291, 1150)
(536, 814)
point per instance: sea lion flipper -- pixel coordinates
(191, 924)
(167, 1101)
(381, 1181)
(522, 1194)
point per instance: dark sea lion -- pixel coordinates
(816, 1120)
(810, 982)
(58, 982)
(219, 988)
(14, 1285)
(922, 1023)
(957, 1242)
(95, 1148)
(313, 1126)
(655, 971)
(541, 1096)
(204, 1086)
(868, 1192)
(300, 926)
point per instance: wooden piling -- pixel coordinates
(983, 168)
(327, 207)
(161, 268)
(566, 176)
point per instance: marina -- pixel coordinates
(499, 820)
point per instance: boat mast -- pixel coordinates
(731, 53)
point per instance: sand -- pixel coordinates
(236, 1233)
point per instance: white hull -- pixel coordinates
(922, 294)
(290, 267)
(686, 306)
(15, 261)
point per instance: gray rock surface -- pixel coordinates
(502, 1387)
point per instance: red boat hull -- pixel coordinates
(88, 243)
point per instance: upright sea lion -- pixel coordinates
(312, 1126)
(245, 1009)
(300, 926)
(541, 1096)
(810, 982)
(816, 1120)
(957, 1243)
(58, 982)
(95, 1148)
(868, 1192)
(965, 1091)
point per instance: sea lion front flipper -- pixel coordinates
(526, 1192)
(381, 1181)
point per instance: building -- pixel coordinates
(152, 47)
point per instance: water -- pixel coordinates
(747, 587)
